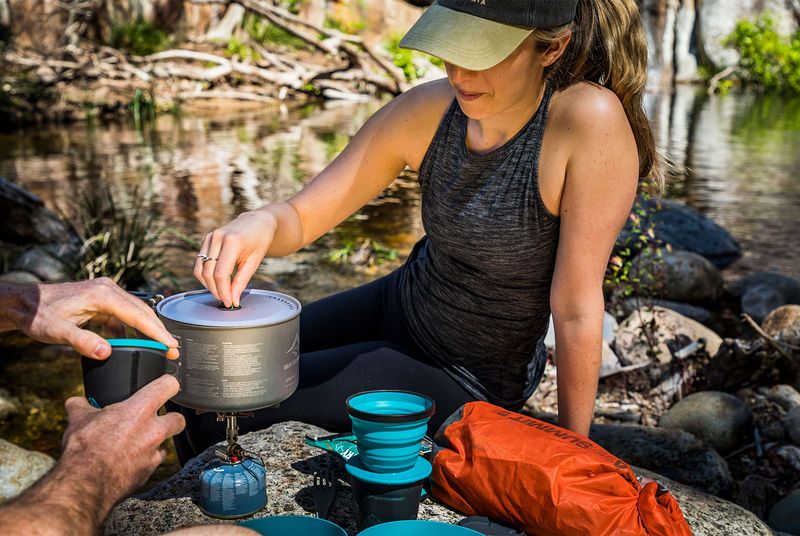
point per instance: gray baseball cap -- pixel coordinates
(479, 34)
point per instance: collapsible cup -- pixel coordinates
(389, 427)
(293, 526)
(133, 363)
(419, 528)
(383, 497)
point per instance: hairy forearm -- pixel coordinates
(70, 499)
(15, 305)
(578, 355)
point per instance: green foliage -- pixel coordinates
(404, 58)
(244, 52)
(143, 108)
(768, 59)
(348, 27)
(262, 31)
(123, 243)
(139, 37)
(292, 6)
(367, 253)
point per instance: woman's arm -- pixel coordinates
(600, 186)
(393, 138)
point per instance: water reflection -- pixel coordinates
(738, 155)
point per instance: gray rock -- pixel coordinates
(760, 300)
(290, 465)
(709, 515)
(784, 515)
(27, 221)
(784, 324)
(763, 292)
(632, 347)
(787, 456)
(19, 468)
(720, 419)
(20, 276)
(684, 228)
(8, 405)
(784, 395)
(699, 314)
(677, 275)
(791, 422)
(46, 263)
(756, 493)
(675, 454)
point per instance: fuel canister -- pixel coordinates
(233, 488)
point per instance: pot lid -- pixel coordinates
(257, 308)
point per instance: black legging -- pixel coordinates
(352, 341)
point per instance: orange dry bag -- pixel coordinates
(544, 479)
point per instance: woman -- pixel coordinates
(529, 155)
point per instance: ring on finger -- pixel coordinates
(202, 256)
(207, 258)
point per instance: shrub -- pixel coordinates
(139, 37)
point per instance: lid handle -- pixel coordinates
(231, 308)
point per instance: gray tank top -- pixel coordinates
(476, 289)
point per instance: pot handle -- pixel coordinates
(150, 298)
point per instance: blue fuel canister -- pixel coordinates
(233, 488)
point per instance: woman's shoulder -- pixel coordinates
(418, 112)
(586, 106)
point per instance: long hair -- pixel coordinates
(608, 47)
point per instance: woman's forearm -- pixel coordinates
(578, 355)
(288, 234)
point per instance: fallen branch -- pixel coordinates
(773, 343)
(717, 78)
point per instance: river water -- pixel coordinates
(737, 159)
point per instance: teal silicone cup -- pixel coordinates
(389, 427)
(418, 528)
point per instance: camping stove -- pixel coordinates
(233, 484)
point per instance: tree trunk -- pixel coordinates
(230, 22)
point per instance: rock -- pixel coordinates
(756, 493)
(784, 324)
(20, 276)
(632, 347)
(718, 18)
(786, 456)
(720, 419)
(673, 453)
(783, 516)
(791, 422)
(785, 396)
(677, 275)
(690, 311)
(684, 228)
(46, 263)
(763, 292)
(708, 515)
(290, 465)
(19, 468)
(8, 405)
(26, 220)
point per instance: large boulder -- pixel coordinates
(630, 305)
(290, 465)
(665, 328)
(720, 419)
(682, 227)
(673, 453)
(677, 275)
(49, 263)
(26, 220)
(784, 515)
(718, 18)
(19, 468)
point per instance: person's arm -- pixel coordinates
(55, 313)
(600, 186)
(385, 144)
(107, 454)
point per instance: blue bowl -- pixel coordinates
(293, 525)
(389, 427)
(418, 528)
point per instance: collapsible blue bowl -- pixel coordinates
(293, 525)
(389, 427)
(418, 528)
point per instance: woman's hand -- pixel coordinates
(239, 247)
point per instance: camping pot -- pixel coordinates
(237, 359)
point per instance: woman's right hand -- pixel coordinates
(239, 246)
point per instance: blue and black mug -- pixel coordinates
(133, 363)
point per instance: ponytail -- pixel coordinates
(608, 47)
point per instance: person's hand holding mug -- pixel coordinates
(56, 313)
